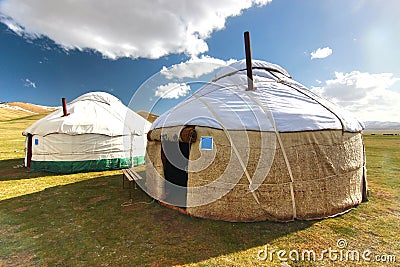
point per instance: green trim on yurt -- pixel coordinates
(85, 165)
(139, 160)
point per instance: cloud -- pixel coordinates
(172, 90)
(120, 28)
(321, 53)
(368, 96)
(194, 67)
(29, 83)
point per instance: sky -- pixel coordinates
(345, 51)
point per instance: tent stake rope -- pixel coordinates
(130, 203)
(271, 119)
(233, 145)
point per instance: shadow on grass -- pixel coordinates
(13, 169)
(92, 223)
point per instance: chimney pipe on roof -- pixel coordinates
(64, 106)
(250, 85)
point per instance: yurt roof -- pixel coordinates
(277, 99)
(92, 113)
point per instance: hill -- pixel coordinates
(31, 107)
(382, 128)
(147, 115)
(382, 125)
(14, 110)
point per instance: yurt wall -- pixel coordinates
(326, 167)
(65, 153)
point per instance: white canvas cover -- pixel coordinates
(92, 113)
(63, 147)
(99, 128)
(290, 105)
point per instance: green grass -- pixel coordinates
(80, 219)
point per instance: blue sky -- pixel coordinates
(346, 51)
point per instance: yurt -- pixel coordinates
(272, 150)
(94, 132)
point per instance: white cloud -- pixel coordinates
(120, 28)
(194, 67)
(371, 97)
(172, 90)
(321, 53)
(29, 83)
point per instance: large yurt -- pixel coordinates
(275, 151)
(94, 132)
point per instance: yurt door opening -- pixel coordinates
(28, 154)
(175, 159)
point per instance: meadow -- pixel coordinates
(87, 219)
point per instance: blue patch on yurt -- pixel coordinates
(206, 143)
(36, 142)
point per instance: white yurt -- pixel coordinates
(277, 152)
(94, 132)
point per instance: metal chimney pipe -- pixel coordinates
(249, 66)
(64, 106)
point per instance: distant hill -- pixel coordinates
(382, 125)
(147, 115)
(32, 107)
(13, 110)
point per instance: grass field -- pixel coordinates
(80, 220)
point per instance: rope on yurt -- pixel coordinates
(130, 203)
(269, 69)
(233, 145)
(279, 80)
(271, 119)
